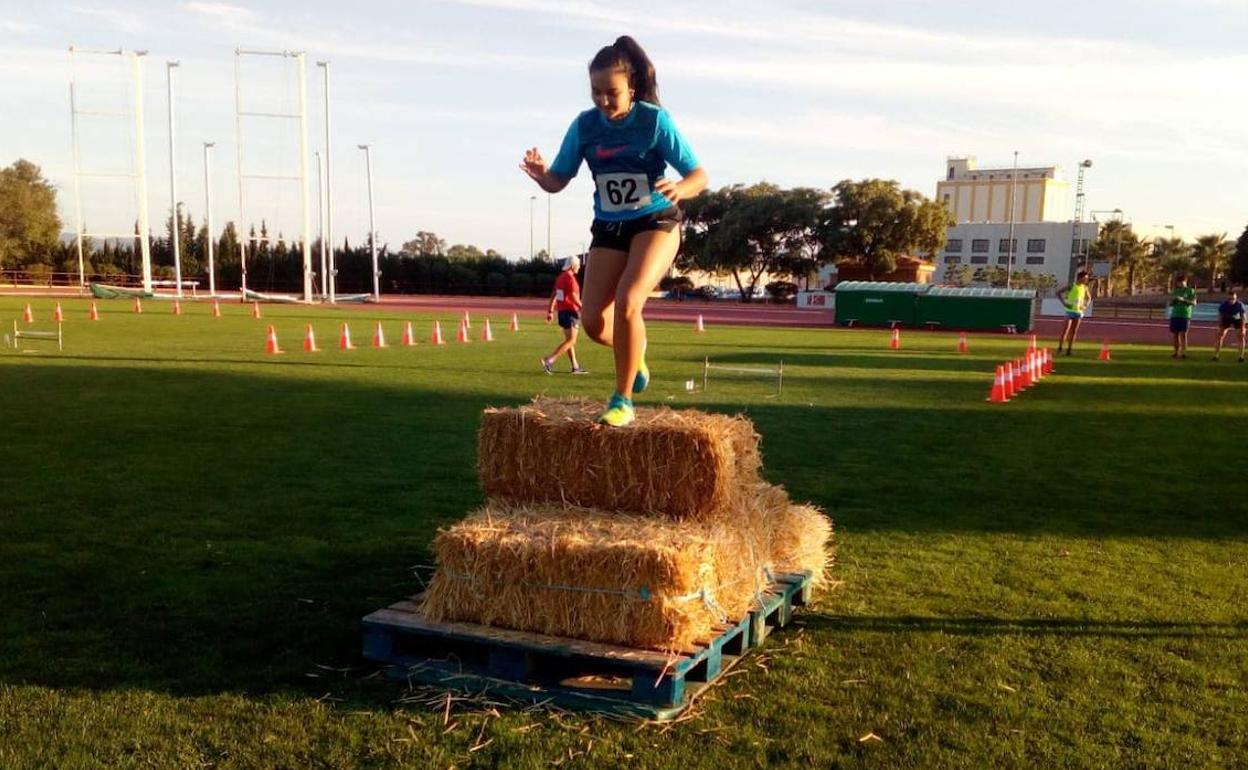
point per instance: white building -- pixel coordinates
(972, 194)
(981, 201)
(1039, 247)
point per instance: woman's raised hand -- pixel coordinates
(534, 165)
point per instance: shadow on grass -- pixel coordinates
(206, 531)
(200, 531)
(989, 626)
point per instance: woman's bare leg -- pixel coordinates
(650, 255)
(602, 276)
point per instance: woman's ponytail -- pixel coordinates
(626, 54)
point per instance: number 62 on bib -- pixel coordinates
(623, 192)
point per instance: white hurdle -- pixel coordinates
(19, 334)
(777, 372)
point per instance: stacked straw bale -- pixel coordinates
(683, 464)
(640, 581)
(649, 536)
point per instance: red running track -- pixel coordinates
(737, 314)
(1091, 331)
(733, 314)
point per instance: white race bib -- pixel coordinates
(623, 191)
(558, 295)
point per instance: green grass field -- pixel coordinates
(190, 531)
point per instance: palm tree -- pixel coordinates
(1134, 254)
(1113, 238)
(1212, 251)
(1172, 256)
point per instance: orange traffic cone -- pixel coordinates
(1023, 371)
(57, 315)
(177, 307)
(1038, 366)
(462, 336)
(95, 312)
(270, 345)
(486, 334)
(997, 394)
(216, 309)
(344, 338)
(699, 326)
(309, 341)
(138, 306)
(379, 337)
(962, 346)
(255, 310)
(408, 338)
(1048, 360)
(436, 339)
(515, 323)
(28, 316)
(1010, 390)
(1104, 356)
(467, 321)
(895, 342)
(1031, 344)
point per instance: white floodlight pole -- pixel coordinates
(320, 220)
(331, 275)
(304, 204)
(1009, 253)
(532, 199)
(238, 155)
(141, 168)
(372, 226)
(173, 186)
(550, 254)
(212, 273)
(73, 123)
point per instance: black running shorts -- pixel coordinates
(619, 235)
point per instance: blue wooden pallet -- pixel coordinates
(576, 674)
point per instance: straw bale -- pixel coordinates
(800, 537)
(684, 464)
(601, 576)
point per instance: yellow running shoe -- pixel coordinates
(619, 412)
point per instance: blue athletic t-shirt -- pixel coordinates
(1232, 311)
(626, 158)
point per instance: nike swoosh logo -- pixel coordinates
(609, 152)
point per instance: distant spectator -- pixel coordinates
(1182, 302)
(566, 300)
(1075, 298)
(1231, 314)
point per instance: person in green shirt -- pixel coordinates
(1075, 299)
(1182, 302)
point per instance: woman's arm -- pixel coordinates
(690, 186)
(535, 166)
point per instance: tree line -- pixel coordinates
(743, 232)
(1141, 263)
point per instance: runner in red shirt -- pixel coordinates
(566, 299)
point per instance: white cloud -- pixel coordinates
(120, 19)
(229, 15)
(9, 26)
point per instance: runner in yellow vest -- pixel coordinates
(1075, 298)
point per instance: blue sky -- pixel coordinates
(451, 92)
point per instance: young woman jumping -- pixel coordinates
(627, 140)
